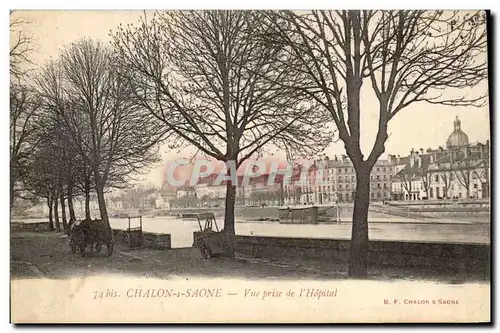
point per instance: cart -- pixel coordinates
(209, 241)
(94, 233)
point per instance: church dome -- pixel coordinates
(457, 138)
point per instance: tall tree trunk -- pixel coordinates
(229, 230)
(12, 182)
(63, 213)
(56, 214)
(102, 206)
(486, 193)
(87, 202)
(468, 185)
(358, 257)
(71, 208)
(51, 220)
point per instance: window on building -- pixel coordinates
(352, 169)
(385, 177)
(385, 185)
(347, 197)
(373, 177)
(378, 185)
(475, 186)
(430, 193)
(436, 178)
(437, 192)
(384, 169)
(346, 186)
(378, 177)
(353, 179)
(340, 186)
(345, 170)
(378, 169)
(340, 170)
(378, 195)
(346, 178)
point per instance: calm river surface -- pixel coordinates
(181, 230)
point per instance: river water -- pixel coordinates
(181, 230)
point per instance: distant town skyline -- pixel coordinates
(419, 126)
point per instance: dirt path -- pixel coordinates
(47, 254)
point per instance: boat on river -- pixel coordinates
(298, 215)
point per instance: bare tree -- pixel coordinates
(45, 170)
(198, 73)
(464, 168)
(482, 172)
(463, 174)
(88, 94)
(404, 56)
(407, 182)
(21, 48)
(24, 107)
(446, 176)
(24, 104)
(425, 178)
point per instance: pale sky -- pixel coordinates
(418, 126)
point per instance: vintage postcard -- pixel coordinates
(250, 166)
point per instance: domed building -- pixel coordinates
(457, 138)
(462, 171)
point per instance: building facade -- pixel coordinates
(459, 171)
(334, 180)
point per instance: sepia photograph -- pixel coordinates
(250, 166)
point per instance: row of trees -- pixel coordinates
(233, 83)
(75, 131)
(465, 168)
